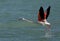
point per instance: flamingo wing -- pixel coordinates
(41, 12)
(48, 12)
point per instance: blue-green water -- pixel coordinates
(13, 30)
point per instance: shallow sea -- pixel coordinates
(11, 29)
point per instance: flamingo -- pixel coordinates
(42, 16)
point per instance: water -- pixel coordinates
(13, 30)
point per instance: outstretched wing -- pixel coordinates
(48, 12)
(41, 12)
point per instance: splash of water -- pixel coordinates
(48, 35)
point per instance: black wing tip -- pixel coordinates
(49, 7)
(41, 8)
(48, 11)
(41, 12)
